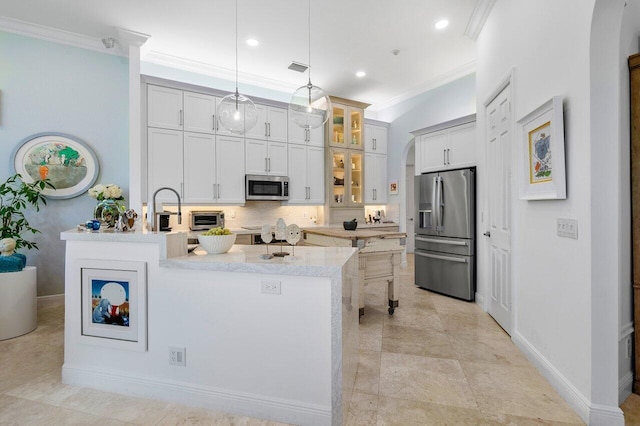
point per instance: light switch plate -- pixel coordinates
(271, 287)
(568, 228)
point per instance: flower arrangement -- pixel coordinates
(104, 192)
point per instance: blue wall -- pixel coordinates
(49, 87)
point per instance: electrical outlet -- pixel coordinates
(177, 356)
(629, 348)
(271, 287)
(568, 228)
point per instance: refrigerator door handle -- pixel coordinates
(439, 207)
(434, 200)
(433, 240)
(440, 257)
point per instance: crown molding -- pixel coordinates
(478, 18)
(440, 80)
(55, 35)
(198, 67)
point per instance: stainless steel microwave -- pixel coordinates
(203, 220)
(262, 187)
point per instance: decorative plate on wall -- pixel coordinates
(65, 160)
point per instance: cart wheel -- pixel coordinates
(391, 311)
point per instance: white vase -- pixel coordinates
(18, 302)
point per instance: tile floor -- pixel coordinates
(435, 361)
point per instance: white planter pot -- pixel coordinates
(18, 303)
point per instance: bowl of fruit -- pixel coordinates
(216, 240)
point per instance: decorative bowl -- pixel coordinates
(350, 225)
(216, 244)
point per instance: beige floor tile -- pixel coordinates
(363, 410)
(17, 411)
(506, 419)
(516, 390)
(631, 409)
(180, 415)
(436, 380)
(486, 346)
(473, 322)
(393, 411)
(416, 318)
(415, 341)
(368, 375)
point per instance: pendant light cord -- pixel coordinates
(237, 93)
(309, 39)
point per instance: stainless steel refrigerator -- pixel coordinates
(445, 232)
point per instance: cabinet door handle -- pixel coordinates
(218, 191)
(266, 167)
(444, 157)
(265, 129)
(448, 156)
(269, 127)
(269, 164)
(214, 123)
(375, 144)
(181, 116)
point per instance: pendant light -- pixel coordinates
(310, 107)
(236, 112)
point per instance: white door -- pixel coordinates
(499, 160)
(315, 174)
(277, 159)
(199, 113)
(164, 163)
(164, 107)
(277, 124)
(410, 229)
(298, 192)
(229, 170)
(257, 157)
(199, 170)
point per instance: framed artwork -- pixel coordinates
(541, 153)
(69, 163)
(114, 303)
(393, 188)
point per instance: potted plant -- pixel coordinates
(15, 197)
(18, 287)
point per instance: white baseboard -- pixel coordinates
(480, 301)
(212, 398)
(54, 299)
(591, 414)
(625, 387)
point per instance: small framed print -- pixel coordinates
(393, 188)
(541, 153)
(114, 303)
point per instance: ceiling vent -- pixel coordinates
(297, 66)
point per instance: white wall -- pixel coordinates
(566, 291)
(49, 87)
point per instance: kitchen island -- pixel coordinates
(274, 339)
(379, 255)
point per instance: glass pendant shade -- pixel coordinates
(237, 113)
(310, 107)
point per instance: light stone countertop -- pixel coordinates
(307, 261)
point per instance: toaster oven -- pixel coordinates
(203, 220)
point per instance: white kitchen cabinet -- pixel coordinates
(266, 158)
(165, 163)
(299, 135)
(375, 139)
(199, 169)
(164, 107)
(306, 174)
(375, 182)
(271, 126)
(229, 170)
(450, 148)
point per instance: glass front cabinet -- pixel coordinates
(346, 126)
(346, 178)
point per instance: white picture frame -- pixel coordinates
(541, 158)
(113, 303)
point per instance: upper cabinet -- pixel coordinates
(375, 139)
(271, 126)
(451, 145)
(266, 158)
(165, 108)
(200, 114)
(301, 136)
(346, 124)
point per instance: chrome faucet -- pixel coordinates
(153, 207)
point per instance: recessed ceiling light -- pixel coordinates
(253, 42)
(443, 23)
(361, 74)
